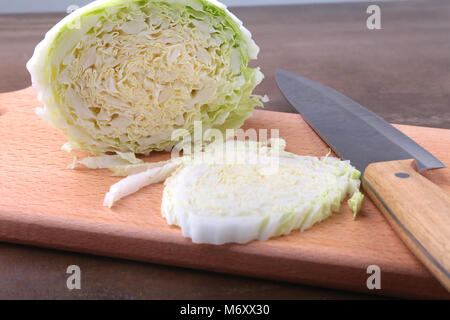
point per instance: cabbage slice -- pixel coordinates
(134, 182)
(122, 75)
(355, 203)
(110, 161)
(241, 191)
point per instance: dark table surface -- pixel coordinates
(401, 72)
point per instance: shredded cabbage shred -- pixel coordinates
(254, 190)
(122, 75)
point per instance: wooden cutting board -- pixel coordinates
(44, 204)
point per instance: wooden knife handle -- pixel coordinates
(417, 209)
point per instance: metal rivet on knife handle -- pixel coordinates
(402, 175)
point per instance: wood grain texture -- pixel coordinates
(417, 209)
(42, 203)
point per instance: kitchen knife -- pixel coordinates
(417, 209)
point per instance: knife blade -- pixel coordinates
(351, 130)
(417, 209)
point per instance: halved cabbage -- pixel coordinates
(251, 191)
(122, 75)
